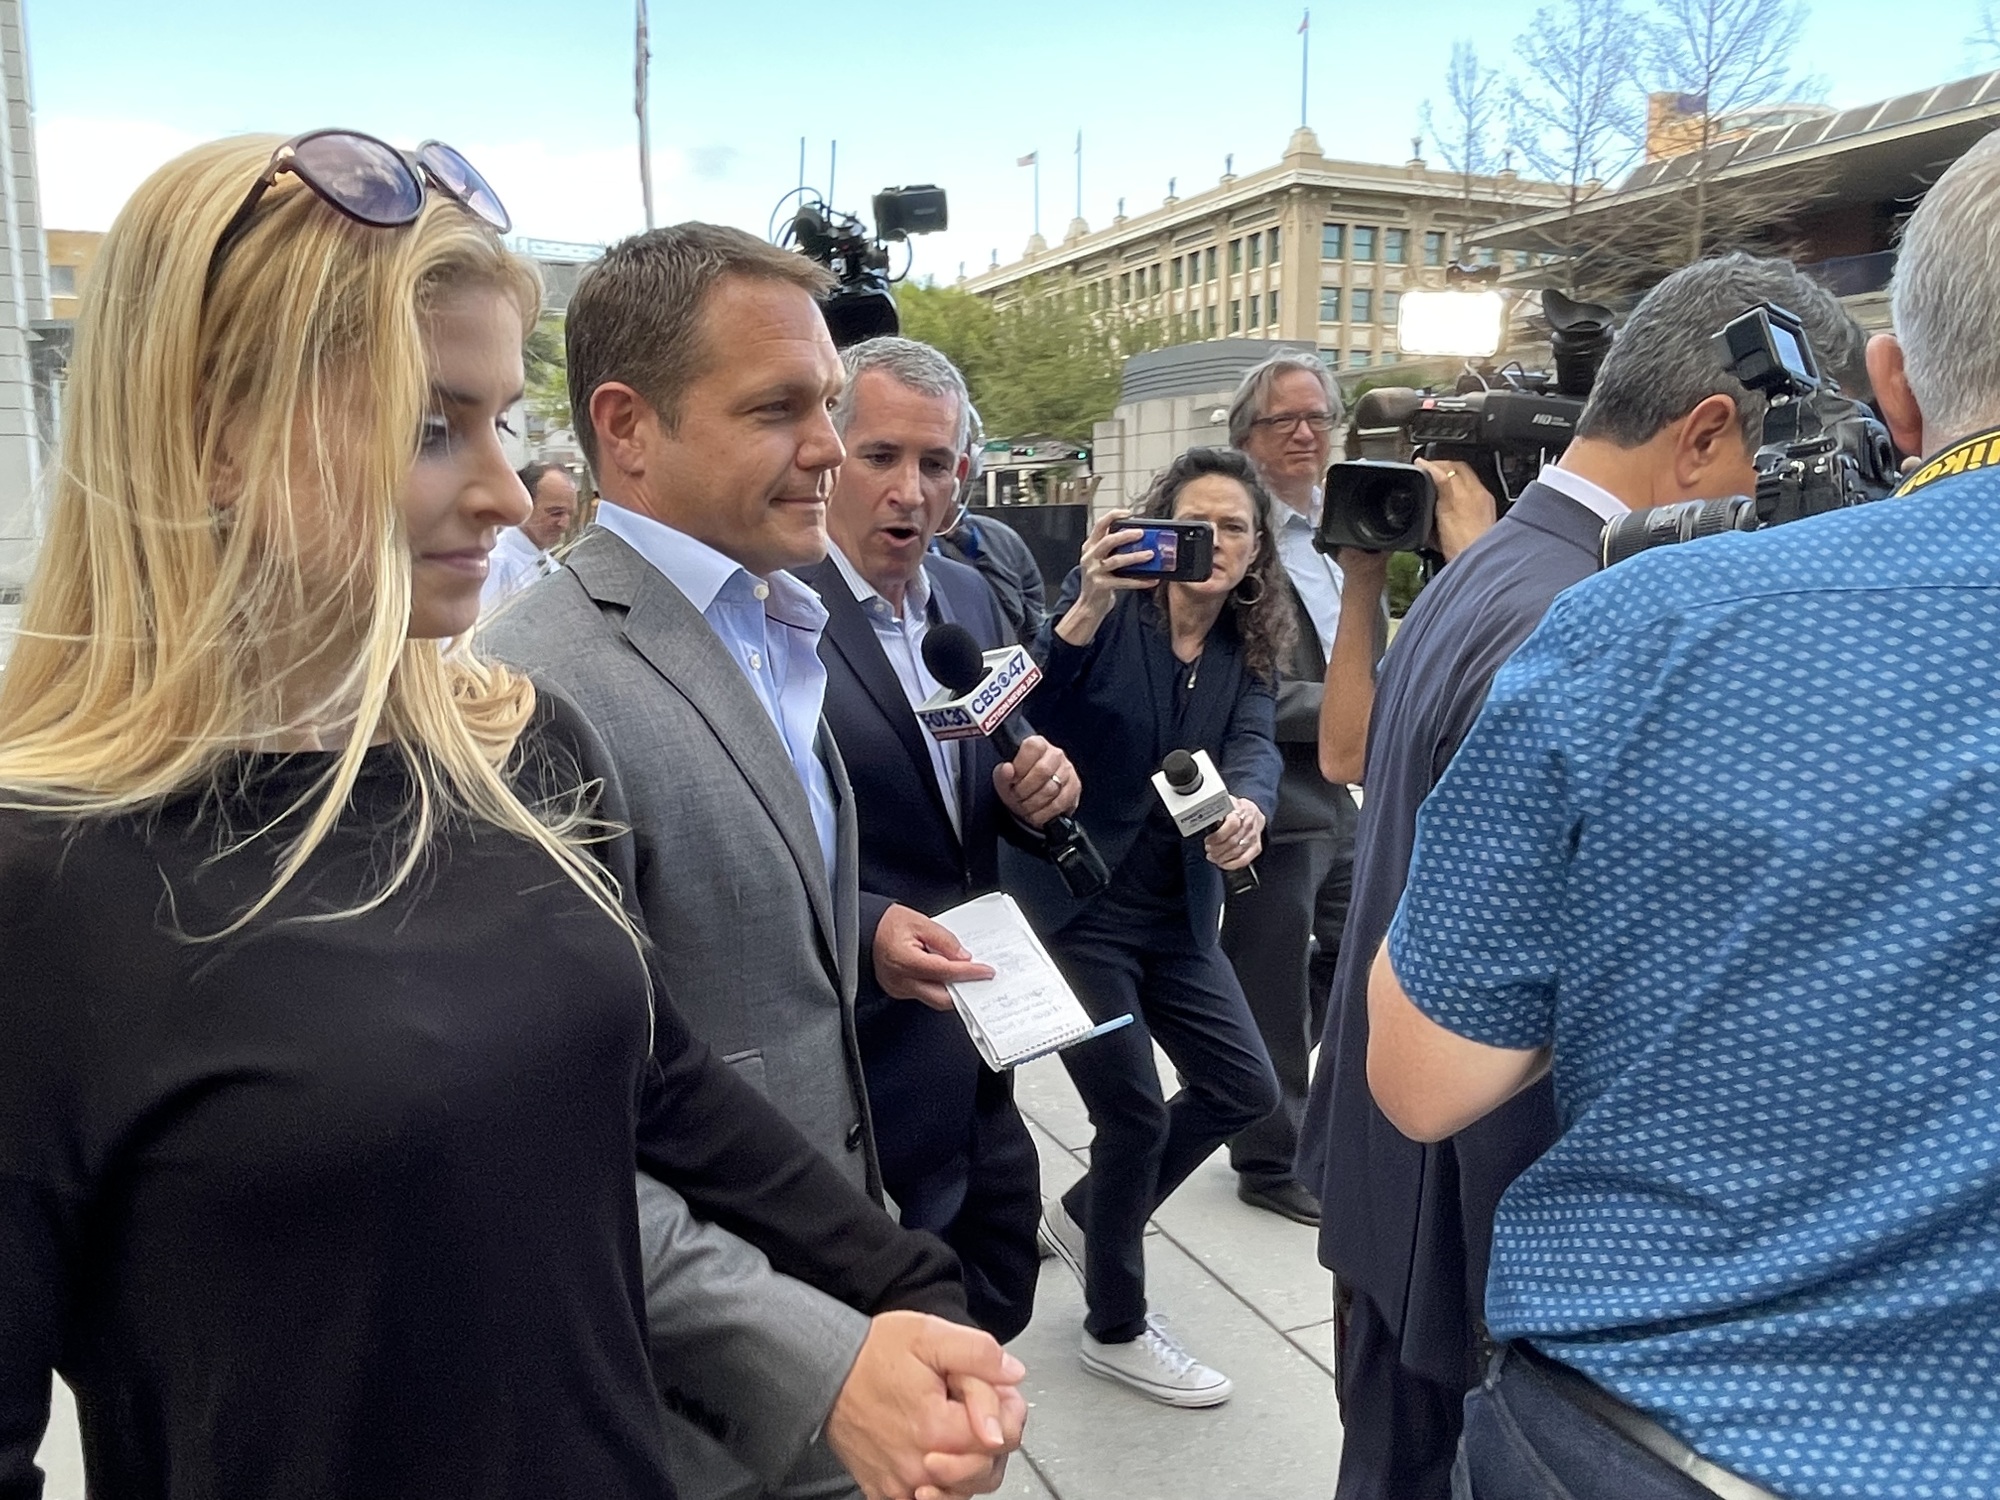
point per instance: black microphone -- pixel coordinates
(1193, 792)
(953, 657)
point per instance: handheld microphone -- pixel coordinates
(1194, 795)
(977, 697)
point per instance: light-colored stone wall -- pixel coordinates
(24, 300)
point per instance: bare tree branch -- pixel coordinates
(1578, 114)
(1474, 100)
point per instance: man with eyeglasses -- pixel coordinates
(1282, 419)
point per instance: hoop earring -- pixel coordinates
(1254, 599)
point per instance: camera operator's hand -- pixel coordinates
(1238, 839)
(1102, 582)
(1038, 784)
(1364, 574)
(1466, 509)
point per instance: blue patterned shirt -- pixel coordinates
(1727, 834)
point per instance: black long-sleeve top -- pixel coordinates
(344, 1208)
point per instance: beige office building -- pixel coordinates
(1310, 250)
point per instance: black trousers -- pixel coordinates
(1269, 938)
(1525, 1440)
(986, 1205)
(1184, 995)
(1399, 1430)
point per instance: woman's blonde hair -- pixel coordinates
(226, 564)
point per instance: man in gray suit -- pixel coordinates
(701, 376)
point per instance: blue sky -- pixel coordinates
(539, 94)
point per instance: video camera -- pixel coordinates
(1821, 451)
(1504, 432)
(862, 306)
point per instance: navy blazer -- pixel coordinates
(923, 1073)
(1110, 704)
(1408, 1225)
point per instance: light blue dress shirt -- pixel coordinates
(771, 629)
(1315, 575)
(902, 637)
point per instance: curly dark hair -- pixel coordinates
(1264, 625)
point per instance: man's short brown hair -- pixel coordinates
(636, 315)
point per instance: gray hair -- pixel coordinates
(1943, 302)
(916, 366)
(1663, 364)
(1255, 390)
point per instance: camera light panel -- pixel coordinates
(1467, 324)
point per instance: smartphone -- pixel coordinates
(1183, 551)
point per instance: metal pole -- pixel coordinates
(639, 107)
(1305, 57)
(1038, 192)
(1079, 174)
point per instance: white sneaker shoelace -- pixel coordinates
(1166, 1350)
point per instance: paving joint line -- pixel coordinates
(1076, 1154)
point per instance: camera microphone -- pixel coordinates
(1193, 792)
(978, 694)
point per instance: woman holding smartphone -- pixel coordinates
(327, 1038)
(1134, 668)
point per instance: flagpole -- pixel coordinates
(639, 108)
(1038, 190)
(1305, 57)
(1079, 174)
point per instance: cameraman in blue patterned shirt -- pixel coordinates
(1723, 851)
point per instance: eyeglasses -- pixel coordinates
(1318, 421)
(369, 181)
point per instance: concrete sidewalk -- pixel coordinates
(1242, 1289)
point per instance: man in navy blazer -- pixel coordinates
(1407, 1228)
(956, 1156)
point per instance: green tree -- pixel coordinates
(547, 372)
(1046, 363)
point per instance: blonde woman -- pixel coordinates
(326, 1037)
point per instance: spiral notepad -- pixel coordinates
(1027, 1009)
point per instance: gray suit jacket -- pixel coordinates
(760, 954)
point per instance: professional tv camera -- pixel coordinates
(1505, 425)
(1821, 451)
(862, 306)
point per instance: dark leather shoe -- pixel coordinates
(1288, 1200)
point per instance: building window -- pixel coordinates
(1357, 359)
(1235, 316)
(1256, 251)
(1488, 256)
(1332, 241)
(1329, 304)
(1387, 357)
(1235, 256)
(1391, 306)
(1361, 305)
(1434, 247)
(1209, 262)
(1274, 247)
(1125, 287)
(1177, 273)
(62, 281)
(1364, 242)
(1395, 247)
(1155, 279)
(1271, 305)
(1211, 315)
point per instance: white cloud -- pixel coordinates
(89, 165)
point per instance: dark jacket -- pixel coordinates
(1007, 564)
(1110, 705)
(1308, 804)
(923, 1072)
(1411, 1226)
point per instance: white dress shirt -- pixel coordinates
(1592, 497)
(514, 563)
(902, 636)
(1315, 575)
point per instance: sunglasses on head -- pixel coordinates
(370, 181)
